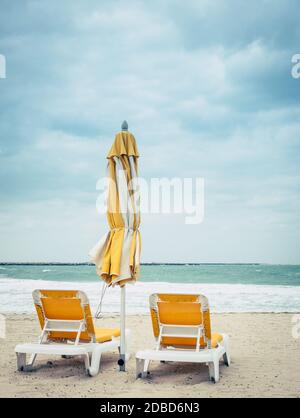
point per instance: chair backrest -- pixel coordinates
(180, 309)
(64, 305)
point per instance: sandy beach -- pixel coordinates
(265, 363)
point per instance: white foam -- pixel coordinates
(15, 295)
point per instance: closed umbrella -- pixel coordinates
(117, 254)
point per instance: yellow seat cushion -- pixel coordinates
(106, 334)
(191, 342)
(216, 339)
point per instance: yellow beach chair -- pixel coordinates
(67, 330)
(182, 329)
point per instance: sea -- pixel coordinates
(229, 287)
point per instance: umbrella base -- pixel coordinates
(121, 362)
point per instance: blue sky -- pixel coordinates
(207, 90)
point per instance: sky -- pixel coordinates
(207, 90)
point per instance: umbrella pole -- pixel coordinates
(122, 326)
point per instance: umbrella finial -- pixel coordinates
(124, 126)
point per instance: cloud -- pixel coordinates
(207, 90)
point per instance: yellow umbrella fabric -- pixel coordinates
(117, 254)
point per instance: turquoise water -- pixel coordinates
(229, 288)
(258, 274)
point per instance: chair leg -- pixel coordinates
(145, 371)
(139, 367)
(142, 367)
(226, 356)
(214, 373)
(87, 364)
(29, 367)
(93, 368)
(32, 360)
(21, 361)
(226, 359)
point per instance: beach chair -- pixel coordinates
(67, 330)
(182, 329)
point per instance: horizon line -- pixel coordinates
(154, 263)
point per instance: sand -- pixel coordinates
(265, 363)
